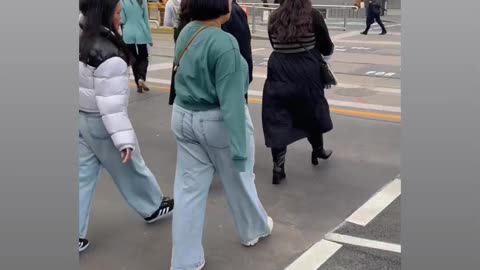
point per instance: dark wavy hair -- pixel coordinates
(99, 22)
(184, 16)
(291, 20)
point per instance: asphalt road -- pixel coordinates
(311, 203)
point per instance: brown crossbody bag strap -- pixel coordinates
(176, 63)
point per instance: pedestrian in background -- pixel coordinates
(238, 26)
(374, 9)
(172, 16)
(137, 35)
(214, 134)
(106, 136)
(294, 104)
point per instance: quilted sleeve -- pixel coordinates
(112, 94)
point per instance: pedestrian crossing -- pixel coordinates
(254, 93)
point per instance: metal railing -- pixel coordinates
(263, 10)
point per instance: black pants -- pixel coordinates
(140, 65)
(375, 18)
(279, 153)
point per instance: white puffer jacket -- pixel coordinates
(103, 88)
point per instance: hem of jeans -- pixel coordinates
(194, 266)
(248, 243)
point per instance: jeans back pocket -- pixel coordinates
(215, 133)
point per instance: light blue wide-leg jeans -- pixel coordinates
(134, 180)
(203, 150)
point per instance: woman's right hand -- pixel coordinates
(126, 155)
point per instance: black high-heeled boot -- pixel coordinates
(278, 155)
(278, 175)
(321, 153)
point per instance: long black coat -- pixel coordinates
(294, 104)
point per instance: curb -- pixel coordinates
(162, 30)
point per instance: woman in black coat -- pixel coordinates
(294, 104)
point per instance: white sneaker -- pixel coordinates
(255, 241)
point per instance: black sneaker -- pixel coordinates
(165, 209)
(82, 244)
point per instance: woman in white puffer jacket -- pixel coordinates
(106, 136)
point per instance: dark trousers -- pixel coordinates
(279, 153)
(140, 65)
(371, 18)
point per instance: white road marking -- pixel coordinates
(386, 26)
(375, 205)
(154, 80)
(160, 66)
(362, 242)
(376, 89)
(370, 42)
(340, 103)
(345, 35)
(316, 256)
(258, 49)
(364, 106)
(380, 73)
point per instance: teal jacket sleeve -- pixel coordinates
(229, 83)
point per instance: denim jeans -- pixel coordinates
(134, 180)
(203, 150)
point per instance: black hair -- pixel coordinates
(99, 22)
(83, 6)
(291, 20)
(205, 10)
(184, 16)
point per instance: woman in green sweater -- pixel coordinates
(214, 134)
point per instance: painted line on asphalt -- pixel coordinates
(340, 37)
(160, 66)
(386, 26)
(371, 42)
(376, 204)
(340, 103)
(362, 114)
(347, 85)
(345, 35)
(363, 242)
(315, 256)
